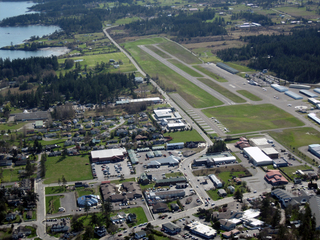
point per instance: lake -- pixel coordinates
(16, 35)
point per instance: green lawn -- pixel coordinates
(247, 118)
(294, 138)
(174, 174)
(185, 68)
(290, 171)
(11, 175)
(53, 204)
(122, 181)
(144, 187)
(179, 52)
(184, 136)
(11, 126)
(86, 191)
(158, 51)
(225, 92)
(249, 95)
(141, 216)
(168, 79)
(210, 74)
(73, 168)
(55, 190)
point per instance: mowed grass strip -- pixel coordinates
(184, 68)
(184, 136)
(248, 118)
(73, 168)
(53, 204)
(210, 74)
(194, 95)
(249, 95)
(179, 52)
(225, 92)
(158, 51)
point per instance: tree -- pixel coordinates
(238, 194)
(59, 182)
(64, 181)
(89, 234)
(95, 220)
(87, 208)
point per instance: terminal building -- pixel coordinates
(256, 156)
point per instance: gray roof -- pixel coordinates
(163, 161)
(171, 226)
(315, 208)
(40, 115)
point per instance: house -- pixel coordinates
(171, 228)
(230, 233)
(229, 214)
(174, 207)
(131, 217)
(100, 231)
(227, 224)
(144, 178)
(138, 79)
(274, 177)
(121, 132)
(94, 131)
(29, 215)
(140, 234)
(222, 192)
(160, 207)
(120, 217)
(10, 217)
(231, 189)
(59, 227)
(237, 180)
(21, 232)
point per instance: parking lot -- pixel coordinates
(105, 171)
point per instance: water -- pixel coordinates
(16, 35)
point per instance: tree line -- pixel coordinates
(181, 25)
(294, 57)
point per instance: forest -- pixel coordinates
(181, 25)
(294, 57)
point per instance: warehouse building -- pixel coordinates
(279, 88)
(314, 117)
(314, 149)
(171, 146)
(227, 68)
(108, 155)
(176, 125)
(170, 181)
(216, 181)
(317, 90)
(215, 159)
(258, 141)
(279, 163)
(299, 86)
(256, 156)
(313, 101)
(162, 113)
(293, 95)
(171, 161)
(308, 93)
(271, 152)
(202, 230)
(133, 157)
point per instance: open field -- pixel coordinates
(185, 68)
(122, 181)
(297, 12)
(179, 52)
(55, 190)
(11, 126)
(87, 191)
(210, 74)
(11, 175)
(224, 171)
(290, 171)
(225, 92)
(169, 80)
(248, 118)
(184, 136)
(73, 168)
(53, 204)
(158, 51)
(295, 138)
(249, 95)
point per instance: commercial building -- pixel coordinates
(170, 181)
(88, 200)
(308, 93)
(31, 116)
(258, 141)
(108, 155)
(171, 161)
(314, 149)
(171, 146)
(176, 125)
(171, 228)
(279, 163)
(256, 156)
(293, 95)
(158, 195)
(160, 207)
(279, 88)
(202, 230)
(129, 191)
(271, 152)
(133, 157)
(215, 159)
(217, 183)
(162, 113)
(227, 68)
(282, 195)
(314, 204)
(274, 177)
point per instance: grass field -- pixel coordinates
(239, 67)
(174, 174)
(53, 204)
(122, 181)
(87, 191)
(224, 172)
(185, 68)
(11, 126)
(210, 74)
(11, 175)
(225, 92)
(295, 138)
(169, 80)
(73, 168)
(55, 190)
(184, 136)
(141, 216)
(290, 171)
(179, 52)
(248, 118)
(249, 95)
(158, 51)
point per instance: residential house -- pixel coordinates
(140, 234)
(21, 232)
(231, 189)
(59, 227)
(227, 224)
(29, 215)
(68, 143)
(100, 231)
(120, 217)
(174, 207)
(171, 228)
(121, 131)
(10, 217)
(222, 192)
(131, 217)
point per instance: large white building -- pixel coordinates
(108, 155)
(215, 180)
(202, 230)
(162, 113)
(256, 156)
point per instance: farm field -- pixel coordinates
(168, 79)
(225, 92)
(249, 95)
(73, 168)
(248, 118)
